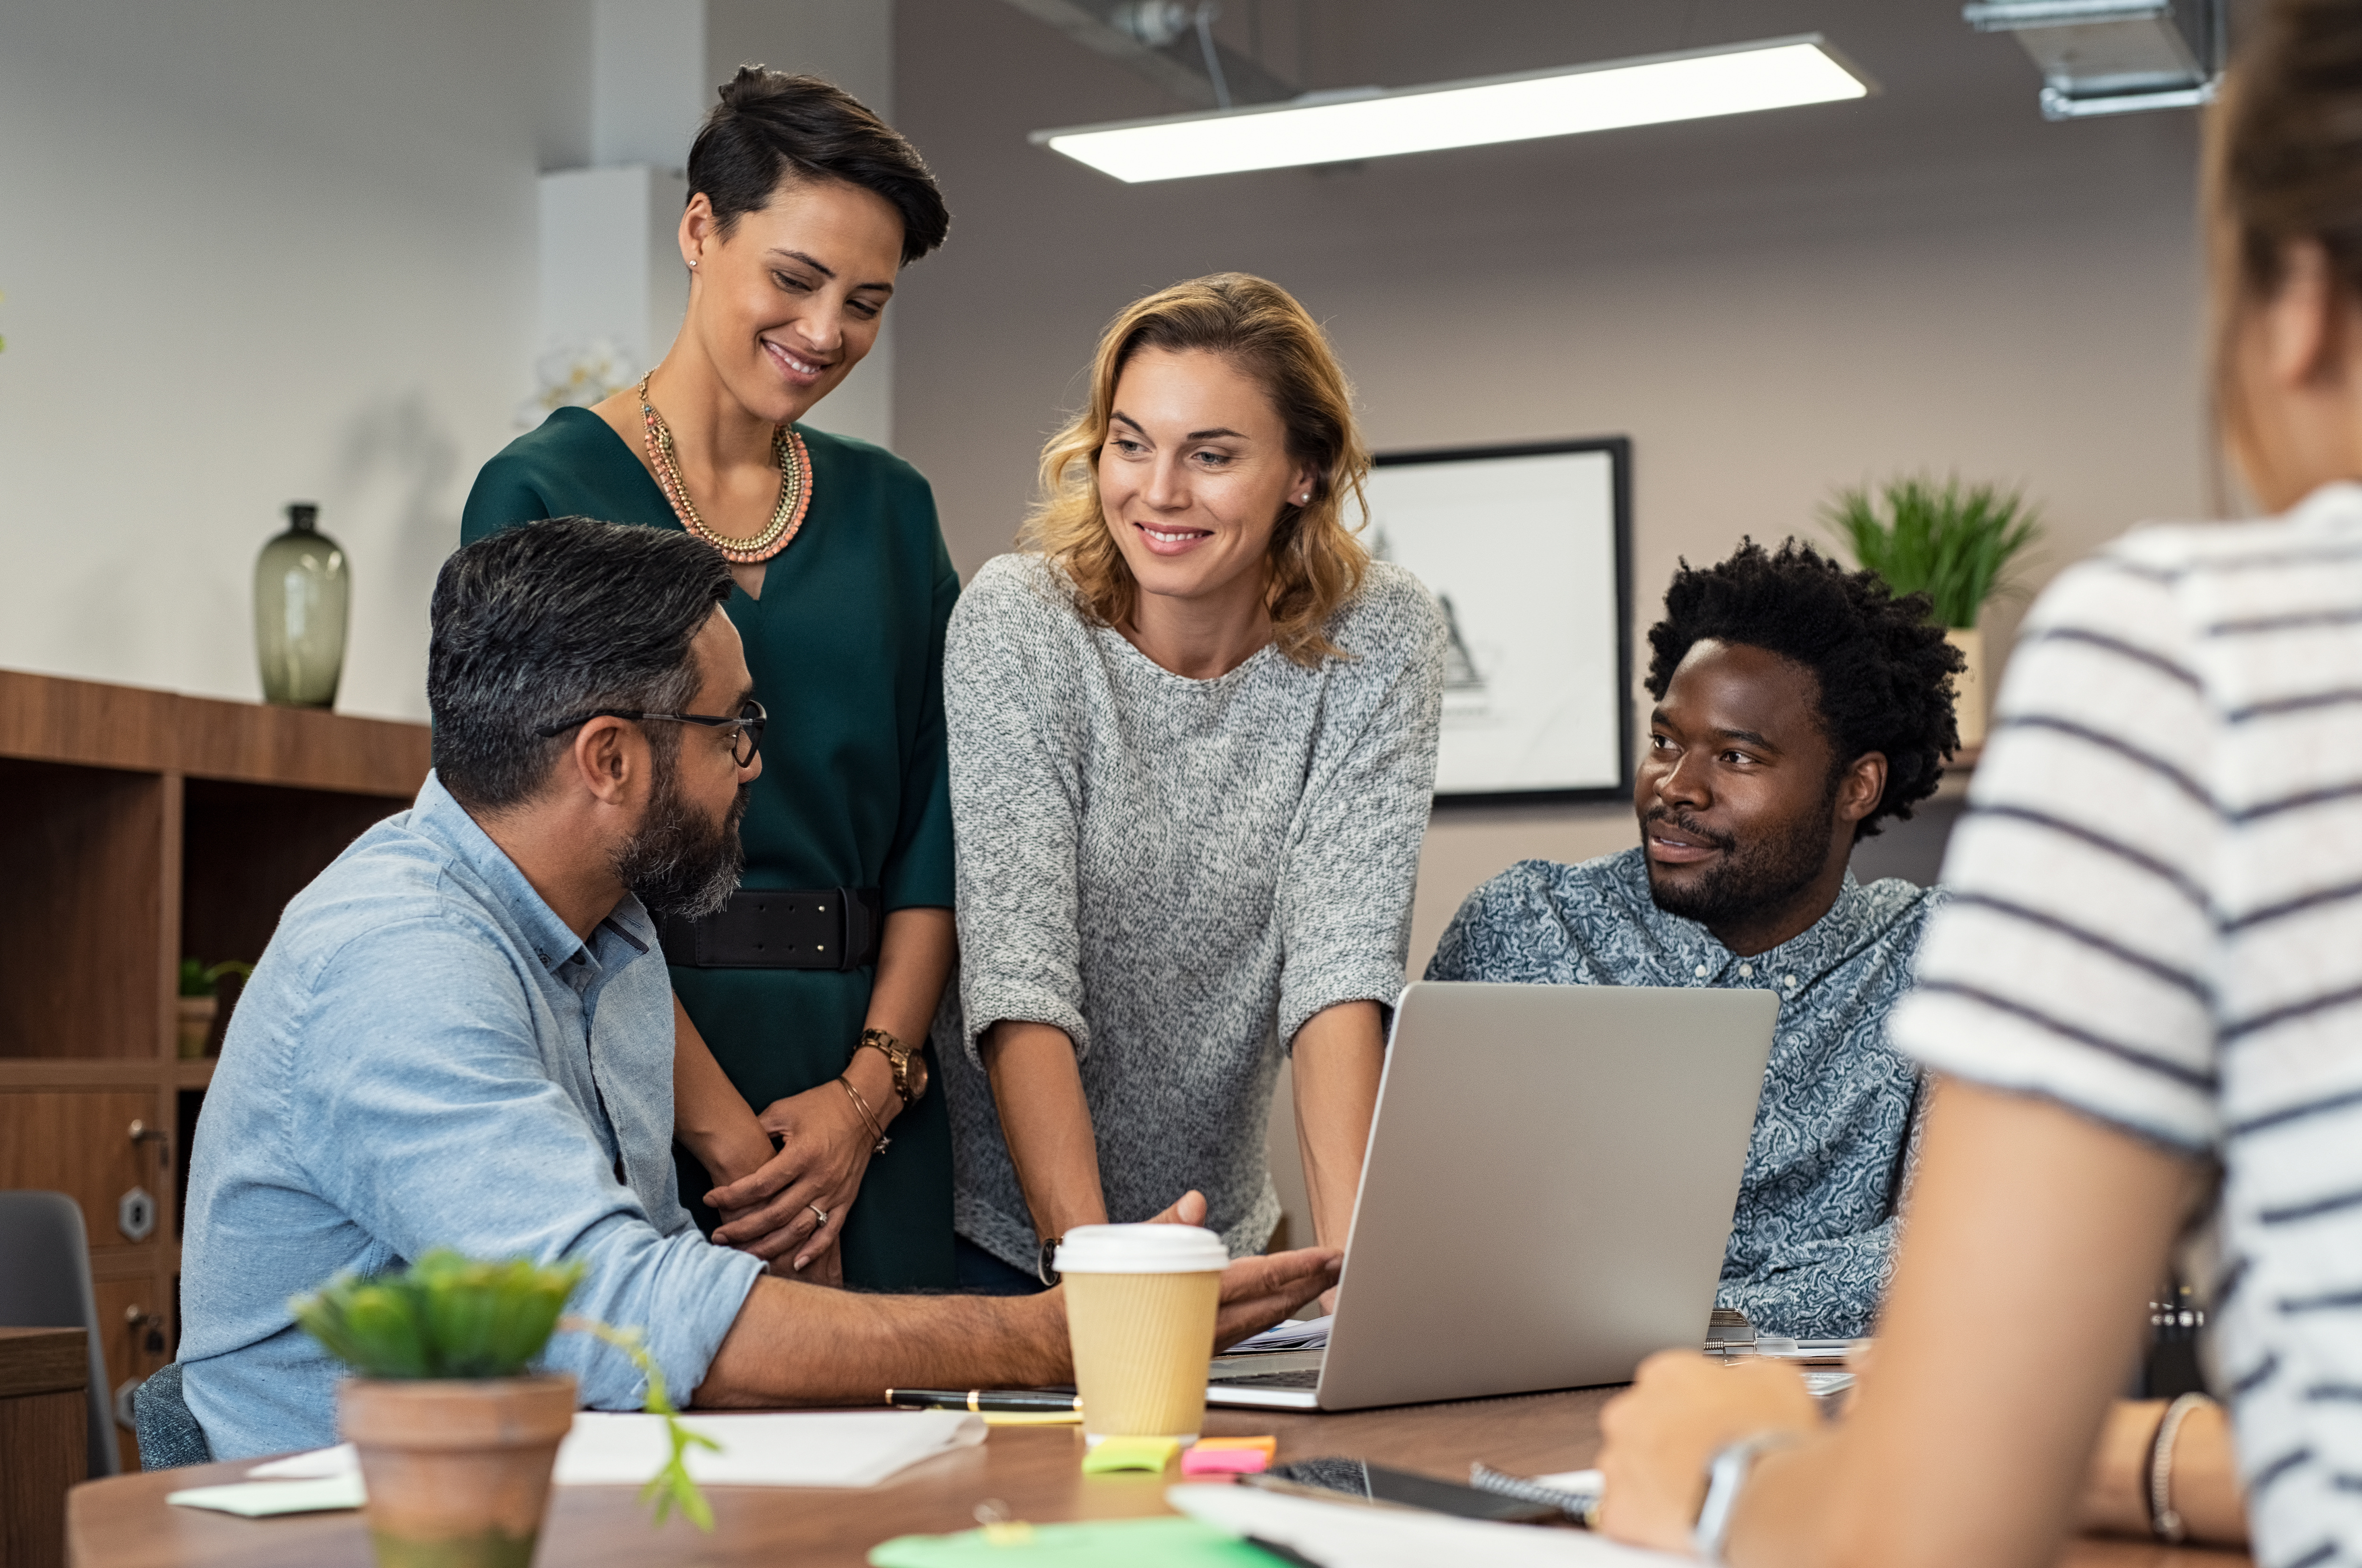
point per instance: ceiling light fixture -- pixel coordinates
(2114, 57)
(1341, 128)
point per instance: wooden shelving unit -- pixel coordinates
(137, 826)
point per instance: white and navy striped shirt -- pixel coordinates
(2157, 919)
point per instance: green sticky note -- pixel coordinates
(260, 1499)
(1151, 1453)
(1136, 1543)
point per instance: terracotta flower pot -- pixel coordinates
(1969, 698)
(458, 1471)
(196, 1025)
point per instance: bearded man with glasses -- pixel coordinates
(461, 1033)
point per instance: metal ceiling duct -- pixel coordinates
(2114, 57)
(1171, 42)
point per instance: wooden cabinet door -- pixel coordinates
(132, 1331)
(79, 1142)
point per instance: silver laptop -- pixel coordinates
(1546, 1198)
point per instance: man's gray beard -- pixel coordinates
(681, 863)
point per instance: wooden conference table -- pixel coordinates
(1032, 1473)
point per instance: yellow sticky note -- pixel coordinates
(1267, 1446)
(1151, 1453)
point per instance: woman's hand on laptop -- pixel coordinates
(1259, 1292)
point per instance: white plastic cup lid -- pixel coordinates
(1141, 1249)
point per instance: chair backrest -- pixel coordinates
(45, 1284)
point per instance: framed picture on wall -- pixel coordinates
(1529, 549)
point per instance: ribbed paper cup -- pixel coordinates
(1140, 1312)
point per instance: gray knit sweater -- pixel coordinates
(1176, 873)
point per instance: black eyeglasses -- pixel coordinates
(748, 722)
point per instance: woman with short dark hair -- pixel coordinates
(807, 998)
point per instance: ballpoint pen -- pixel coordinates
(1014, 1401)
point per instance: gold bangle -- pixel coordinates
(862, 1106)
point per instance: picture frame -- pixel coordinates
(1528, 548)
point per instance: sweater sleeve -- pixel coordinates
(1015, 809)
(1352, 861)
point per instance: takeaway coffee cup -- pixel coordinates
(1140, 1311)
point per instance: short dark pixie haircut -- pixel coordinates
(539, 623)
(1882, 667)
(771, 126)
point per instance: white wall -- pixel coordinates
(252, 251)
(649, 79)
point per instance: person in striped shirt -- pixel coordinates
(2144, 1000)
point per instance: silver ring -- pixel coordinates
(819, 1211)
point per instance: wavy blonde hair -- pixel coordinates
(1316, 564)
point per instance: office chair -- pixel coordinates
(45, 1284)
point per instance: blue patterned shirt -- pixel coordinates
(1813, 1235)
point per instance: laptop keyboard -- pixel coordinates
(1307, 1378)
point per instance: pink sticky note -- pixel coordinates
(1224, 1462)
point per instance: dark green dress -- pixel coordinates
(846, 647)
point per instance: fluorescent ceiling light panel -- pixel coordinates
(1775, 73)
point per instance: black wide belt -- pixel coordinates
(781, 928)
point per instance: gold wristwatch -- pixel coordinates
(909, 1067)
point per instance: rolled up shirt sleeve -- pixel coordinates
(437, 1123)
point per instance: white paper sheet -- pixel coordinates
(1344, 1535)
(260, 1499)
(1312, 1333)
(853, 1448)
(341, 1460)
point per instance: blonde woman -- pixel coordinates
(1193, 731)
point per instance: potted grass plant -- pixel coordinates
(456, 1433)
(201, 1001)
(1956, 544)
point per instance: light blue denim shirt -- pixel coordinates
(428, 1056)
(1812, 1241)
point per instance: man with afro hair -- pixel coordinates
(1798, 706)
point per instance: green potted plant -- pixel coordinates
(201, 1001)
(456, 1434)
(1956, 544)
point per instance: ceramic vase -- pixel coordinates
(1969, 686)
(301, 595)
(458, 1471)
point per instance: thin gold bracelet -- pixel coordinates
(862, 1106)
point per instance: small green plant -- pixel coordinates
(1953, 542)
(670, 1485)
(199, 978)
(448, 1316)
